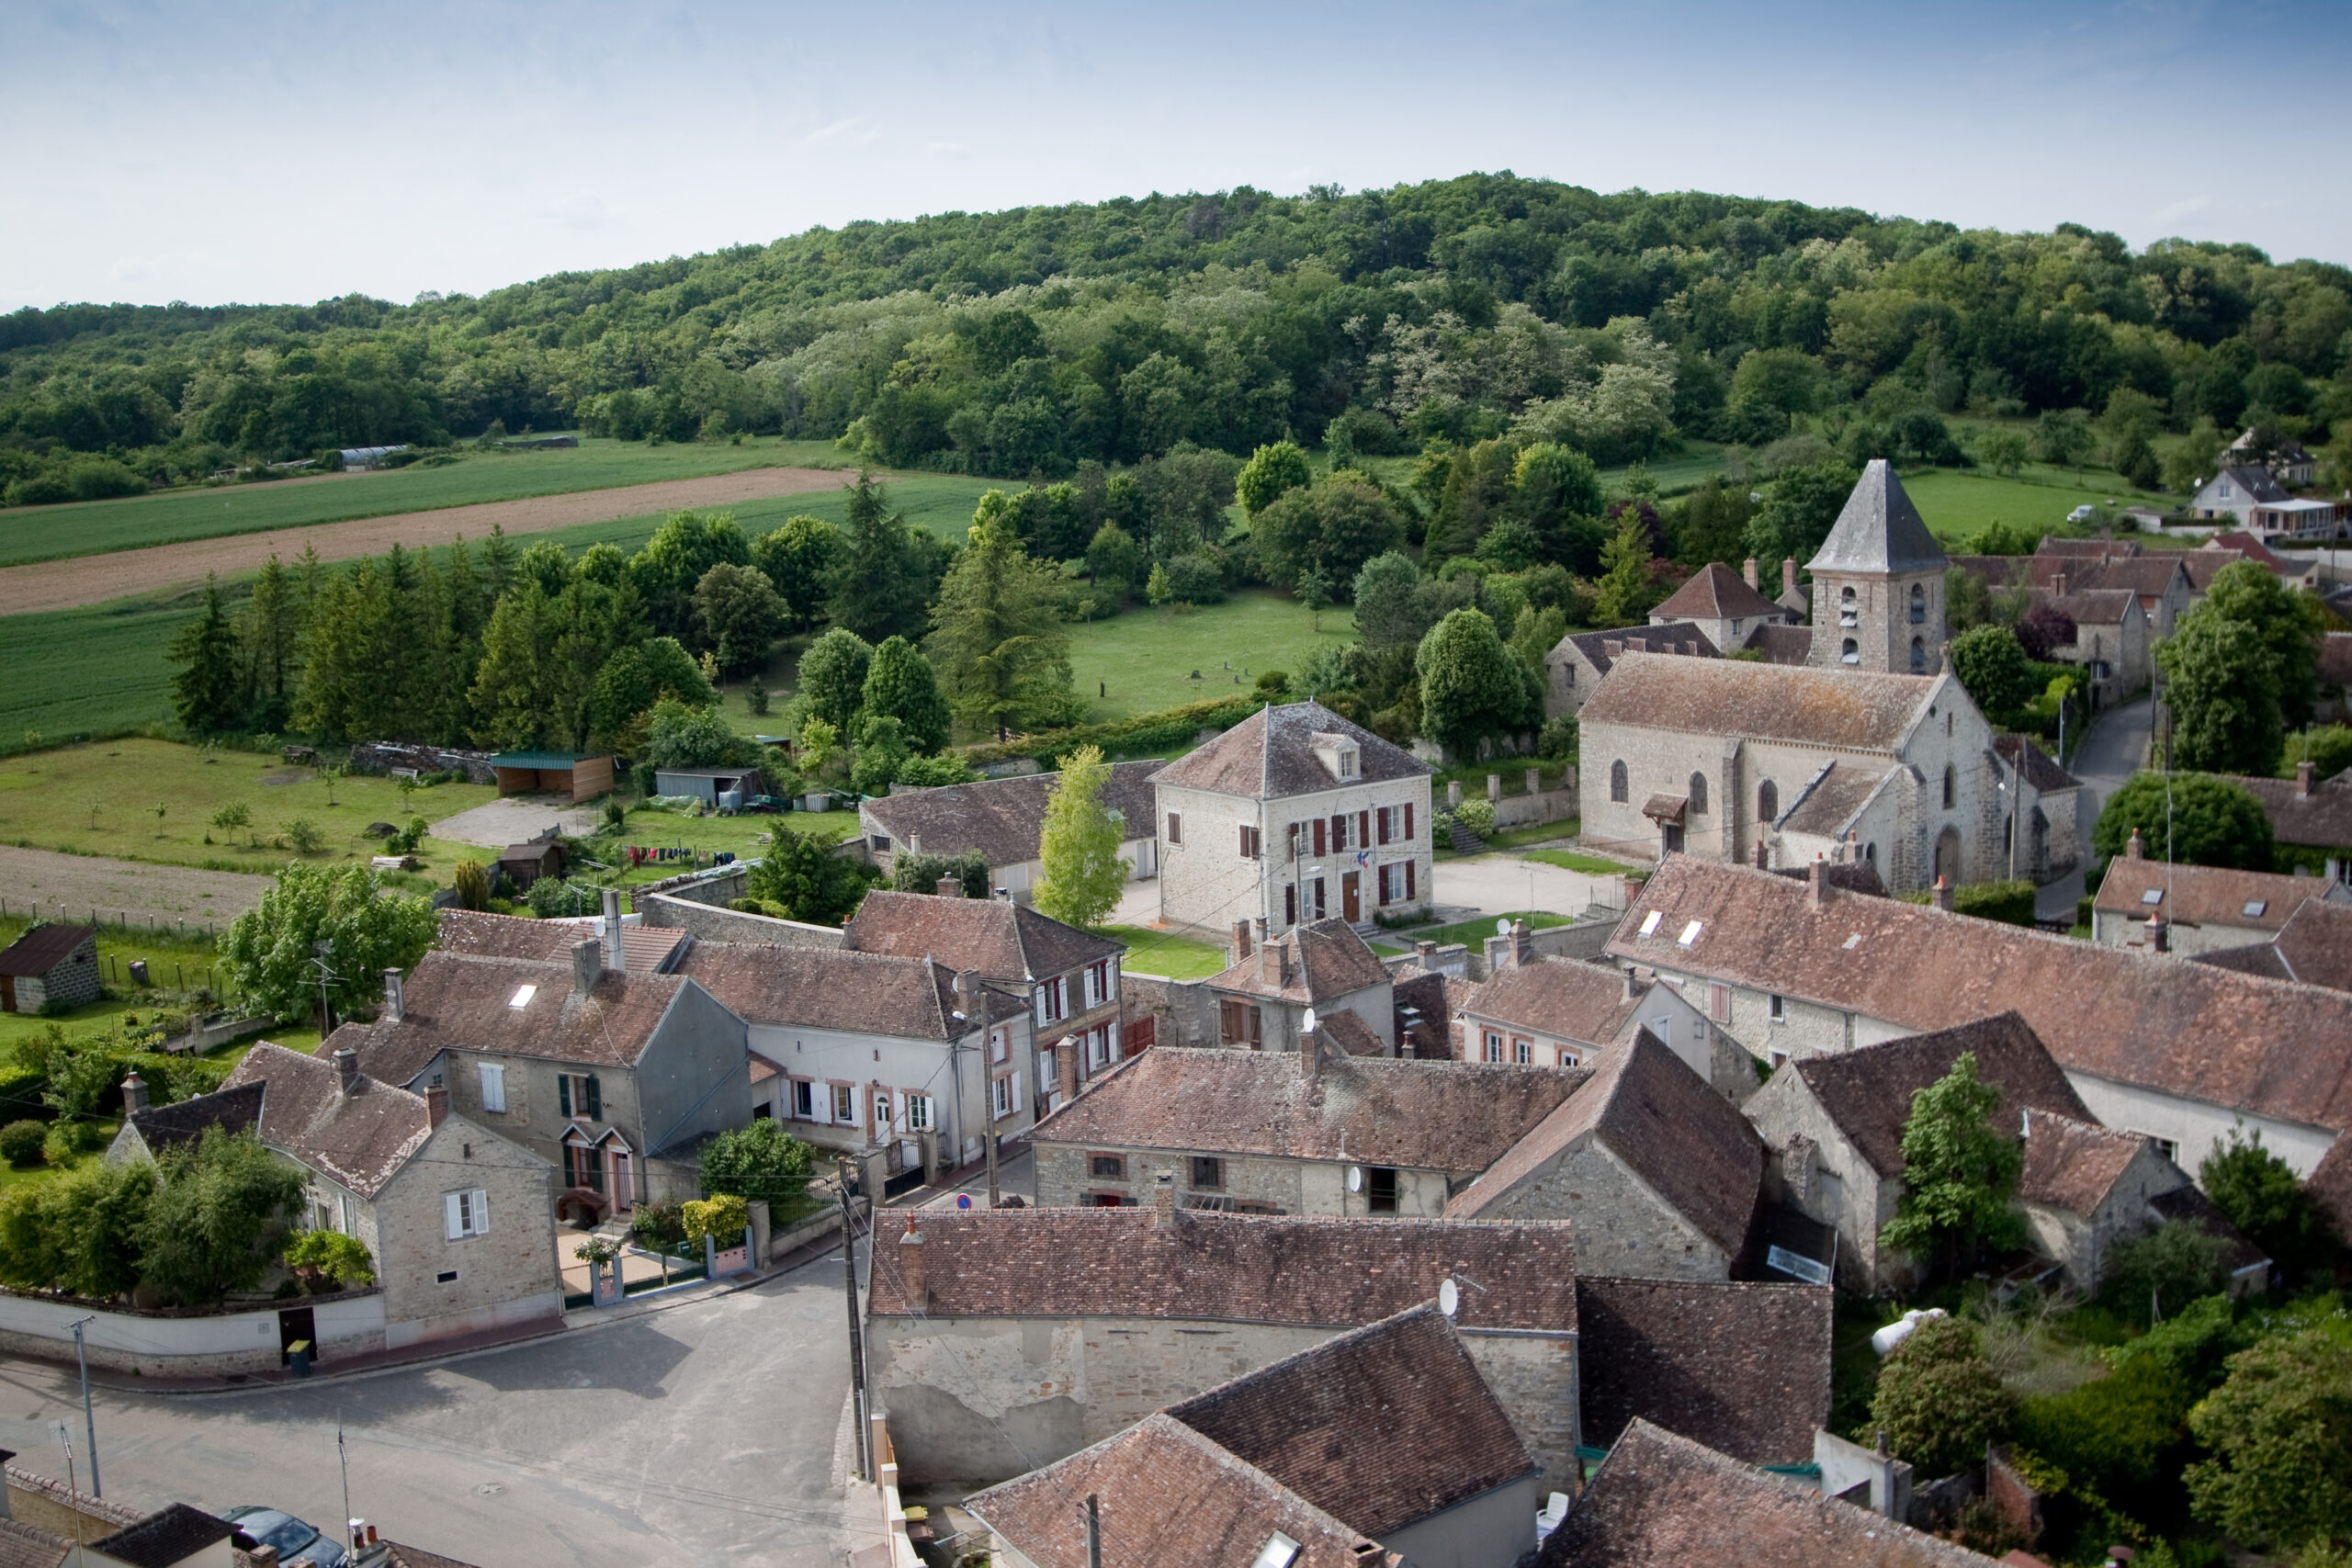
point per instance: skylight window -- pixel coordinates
(1853, 941)
(522, 996)
(2256, 906)
(1690, 933)
(1650, 920)
(2153, 896)
(1280, 1552)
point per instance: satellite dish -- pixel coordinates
(1310, 1021)
(1502, 927)
(1355, 1178)
(1449, 1296)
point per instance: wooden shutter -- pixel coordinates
(481, 1211)
(1175, 829)
(1321, 827)
(1290, 905)
(1408, 836)
(563, 1092)
(1015, 1108)
(453, 1222)
(1408, 876)
(1384, 823)
(1363, 829)
(595, 1099)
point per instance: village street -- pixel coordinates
(701, 1434)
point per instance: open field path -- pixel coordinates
(119, 888)
(91, 579)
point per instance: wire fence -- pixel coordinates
(178, 928)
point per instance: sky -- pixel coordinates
(292, 151)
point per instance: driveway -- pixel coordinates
(2115, 749)
(517, 819)
(1503, 882)
(704, 1434)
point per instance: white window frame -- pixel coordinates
(804, 1100)
(493, 1086)
(918, 1108)
(1050, 1000)
(1004, 1095)
(465, 1214)
(881, 1108)
(1493, 1049)
(845, 1108)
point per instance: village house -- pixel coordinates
(2286, 460)
(1293, 815)
(2112, 639)
(1656, 1171)
(1725, 605)
(1567, 1012)
(609, 1065)
(1306, 1131)
(2236, 492)
(2308, 814)
(1002, 820)
(1573, 669)
(1264, 997)
(2084, 1188)
(50, 966)
(2158, 578)
(1070, 977)
(2314, 947)
(2165, 907)
(875, 1050)
(2056, 833)
(2181, 1051)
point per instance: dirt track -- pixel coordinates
(118, 887)
(91, 579)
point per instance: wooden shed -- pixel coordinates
(578, 776)
(525, 863)
(50, 964)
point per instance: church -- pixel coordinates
(1869, 751)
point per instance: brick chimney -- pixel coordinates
(437, 1106)
(1273, 963)
(1310, 1051)
(1762, 856)
(1944, 892)
(1241, 941)
(134, 1093)
(1425, 953)
(395, 1005)
(1633, 890)
(616, 955)
(1522, 946)
(1748, 571)
(2136, 848)
(1066, 1067)
(949, 888)
(346, 1070)
(2303, 778)
(259, 1557)
(911, 1278)
(1163, 1201)
(587, 964)
(2159, 935)
(1788, 574)
(1819, 882)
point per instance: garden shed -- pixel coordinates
(569, 773)
(525, 863)
(710, 784)
(50, 964)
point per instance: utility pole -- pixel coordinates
(856, 1335)
(991, 1144)
(1093, 1532)
(89, 1421)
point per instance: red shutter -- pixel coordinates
(1408, 876)
(1363, 829)
(1318, 835)
(1339, 830)
(1384, 823)
(1408, 821)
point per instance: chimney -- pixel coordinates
(394, 1008)
(2159, 935)
(259, 1557)
(968, 997)
(1633, 986)
(911, 1270)
(1788, 574)
(2137, 849)
(914, 843)
(616, 955)
(1066, 1067)
(2303, 778)
(347, 1068)
(1522, 946)
(1944, 894)
(1241, 941)
(1748, 571)
(1762, 856)
(949, 888)
(437, 1106)
(1425, 953)
(1310, 1051)
(1820, 882)
(1163, 1201)
(1633, 890)
(134, 1093)
(2058, 585)
(587, 964)
(1273, 963)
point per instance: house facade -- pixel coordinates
(52, 966)
(1573, 669)
(1293, 815)
(1002, 818)
(2197, 909)
(1264, 997)
(1567, 1012)
(2084, 1188)
(1725, 605)
(2234, 493)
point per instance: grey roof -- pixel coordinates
(2260, 484)
(1002, 818)
(1603, 648)
(1271, 754)
(167, 1127)
(43, 948)
(1879, 530)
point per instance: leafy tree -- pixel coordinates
(268, 950)
(741, 613)
(1471, 686)
(1333, 527)
(2222, 687)
(1939, 1399)
(997, 639)
(1080, 845)
(633, 680)
(882, 751)
(800, 874)
(2163, 1269)
(2062, 437)
(217, 1217)
(679, 736)
(1271, 472)
(1314, 590)
(1626, 590)
(2287, 621)
(799, 560)
(1992, 669)
(2004, 451)
(899, 682)
(1114, 562)
(2327, 746)
(885, 575)
(760, 1160)
(1157, 590)
(2043, 629)
(666, 572)
(931, 772)
(323, 1259)
(832, 676)
(1799, 507)
(2210, 822)
(1391, 608)
(1960, 1171)
(911, 873)
(2263, 1197)
(1556, 491)
(2279, 1431)
(208, 691)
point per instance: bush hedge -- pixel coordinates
(2008, 902)
(1136, 735)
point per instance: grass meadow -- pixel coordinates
(1958, 503)
(1144, 660)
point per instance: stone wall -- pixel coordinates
(185, 1343)
(713, 885)
(507, 1274)
(1623, 1227)
(383, 756)
(1183, 1011)
(716, 922)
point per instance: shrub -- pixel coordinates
(329, 1259)
(2008, 902)
(920, 874)
(21, 1142)
(929, 773)
(2119, 1433)
(659, 1227)
(2165, 1270)
(304, 835)
(64, 1142)
(721, 1218)
(761, 1160)
(1140, 733)
(1557, 740)
(471, 879)
(1194, 580)
(1477, 814)
(1939, 1399)
(2281, 1447)
(551, 895)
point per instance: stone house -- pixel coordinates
(2181, 1051)
(2314, 947)
(1325, 968)
(1878, 584)
(610, 1070)
(2236, 492)
(2112, 639)
(1306, 1131)
(2054, 831)
(1834, 1127)
(1717, 758)
(2288, 461)
(1573, 670)
(1727, 606)
(52, 965)
(1069, 977)
(2309, 813)
(2159, 580)
(875, 1050)
(2085, 1187)
(1293, 815)
(1567, 1013)
(1656, 1170)
(2169, 907)
(1004, 819)
(460, 1221)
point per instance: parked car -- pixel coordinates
(2081, 513)
(293, 1538)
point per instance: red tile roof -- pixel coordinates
(1270, 754)
(829, 987)
(455, 1002)
(1003, 941)
(1715, 592)
(2316, 944)
(1565, 997)
(1733, 697)
(2072, 1165)
(1002, 818)
(1744, 1369)
(2205, 895)
(361, 1139)
(645, 950)
(2321, 820)
(1328, 960)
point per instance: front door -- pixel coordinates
(1351, 895)
(296, 1325)
(7, 993)
(621, 1197)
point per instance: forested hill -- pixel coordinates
(1024, 342)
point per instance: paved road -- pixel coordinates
(699, 1435)
(2108, 755)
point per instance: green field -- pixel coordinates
(1158, 953)
(1958, 503)
(1144, 660)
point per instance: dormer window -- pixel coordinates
(1339, 755)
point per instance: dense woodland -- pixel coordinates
(1027, 341)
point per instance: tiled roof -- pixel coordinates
(2072, 1165)
(2258, 482)
(1602, 649)
(1715, 592)
(2204, 894)
(829, 987)
(2190, 1206)
(2091, 606)
(1167, 1498)
(26, 1546)
(1002, 818)
(1562, 996)
(1832, 799)
(1663, 1501)
(2321, 820)
(2255, 958)
(1454, 1116)
(2316, 944)
(2159, 1022)
(1684, 1141)
(2096, 550)
(1380, 1427)
(646, 950)
(361, 1139)
(1855, 709)
(415, 1557)
(1867, 1091)
(2330, 1187)
(1350, 1035)
(1003, 941)
(1741, 1368)
(1270, 754)
(1230, 1268)
(170, 1535)
(1878, 530)
(1782, 644)
(163, 1126)
(1328, 959)
(2044, 774)
(43, 948)
(453, 1002)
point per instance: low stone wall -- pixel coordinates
(721, 924)
(190, 1344)
(710, 886)
(1184, 1012)
(1583, 940)
(383, 756)
(1526, 810)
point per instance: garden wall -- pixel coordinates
(187, 1344)
(1184, 1012)
(718, 923)
(383, 756)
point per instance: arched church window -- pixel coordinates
(1850, 652)
(1918, 656)
(1768, 801)
(1617, 782)
(1918, 604)
(1698, 795)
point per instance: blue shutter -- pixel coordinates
(595, 1099)
(563, 1091)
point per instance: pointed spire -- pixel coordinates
(1878, 530)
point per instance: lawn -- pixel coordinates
(1958, 503)
(1161, 952)
(1145, 661)
(1470, 933)
(747, 835)
(1569, 860)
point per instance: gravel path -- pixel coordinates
(91, 579)
(518, 820)
(119, 888)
